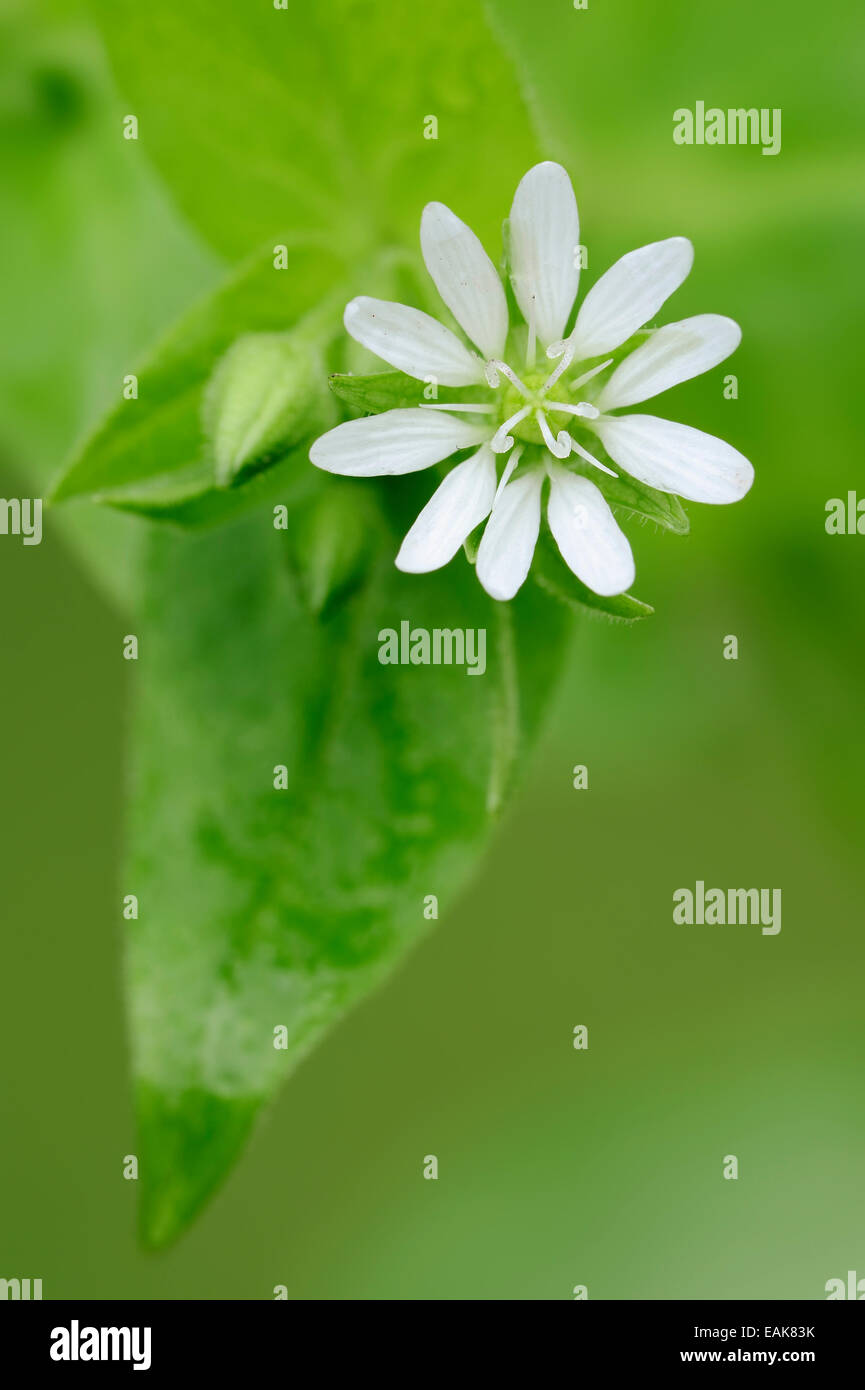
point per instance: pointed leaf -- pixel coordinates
(311, 118)
(265, 908)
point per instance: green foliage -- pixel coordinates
(188, 497)
(271, 907)
(313, 117)
(94, 263)
(153, 447)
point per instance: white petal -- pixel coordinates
(675, 353)
(676, 458)
(544, 238)
(465, 277)
(399, 441)
(457, 506)
(508, 543)
(586, 533)
(412, 341)
(629, 294)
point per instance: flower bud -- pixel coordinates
(332, 548)
(266, 393)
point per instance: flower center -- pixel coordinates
(530, 421)
(528, 429)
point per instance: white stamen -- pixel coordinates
(508, 470)
(560, 447)
(556, 349)
(582, 408)
(503, 368)
(587, 376)
(590, 458)
(562, 367)
(501, 440)
(468, 406)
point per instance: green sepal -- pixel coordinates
(626, 494)
(552, 575)
(369, 395)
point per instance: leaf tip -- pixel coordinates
(188, 1144)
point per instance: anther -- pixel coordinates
(559, 447)
(566, 361)
(503, 369)
(501, 440)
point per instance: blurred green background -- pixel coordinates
(557, 1167)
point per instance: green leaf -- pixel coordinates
(367, 395)
(312, 118)
(188, 498)
(263, 908)
(552, 575)
(94, 262)
(149, 439)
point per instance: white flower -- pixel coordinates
(552, 417)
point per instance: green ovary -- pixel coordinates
(527, 430)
